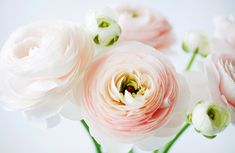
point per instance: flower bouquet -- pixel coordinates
(113, 74)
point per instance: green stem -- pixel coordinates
(97, 146)
(131, 151)
(191, 60)
(170, 144)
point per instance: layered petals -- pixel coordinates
(221, 76)
(40, 65)
(145, 25)
(225, 29)
(132, 97)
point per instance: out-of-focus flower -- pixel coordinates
(221, 77)
(40, 64)
(209, 119)
(199, 88)
(103, 27)
(134, 98)
(225, 29)
(145, 25)
(196, 41)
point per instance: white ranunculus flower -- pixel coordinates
(103, 27)
(39, 65)
(193, 41)
(210, 118)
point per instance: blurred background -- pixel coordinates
(19, 136)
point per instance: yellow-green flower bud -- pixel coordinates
(210, 119)
(103, 27)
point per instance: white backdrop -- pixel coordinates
(19, 136)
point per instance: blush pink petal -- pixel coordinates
(221, 80)
(127, 119)
(148, 26)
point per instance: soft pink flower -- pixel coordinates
(133, 96)
(221, 77)
(145, 25)
(225, 29)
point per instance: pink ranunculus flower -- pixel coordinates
(40, 64)
(145, 25)
(133, 96)
(220, 68)
(225, 29)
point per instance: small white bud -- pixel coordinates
(193, 41)
(210, 119)
(103, 27)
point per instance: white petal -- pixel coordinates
(45, 109)
(133, 102)
(71, 111)
(45, 123)
(220, 46)
(182, 102)
(199, 89)
(213, 80)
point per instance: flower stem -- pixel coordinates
(170, 144)
(131, 151)
(97, 146)
(191, 60)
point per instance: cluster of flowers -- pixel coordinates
(112, 73)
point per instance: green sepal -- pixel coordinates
(185, 48)
(112, 41)
(103, 22)
(210, 137)
(189, 118)
(198, 131)
(96, 39)
(204, 55)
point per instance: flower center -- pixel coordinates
(135, 14)
(130, 85)
(219, 116)
(211, 113)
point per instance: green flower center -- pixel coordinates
(219, 116)
(130, 85)
(211, 113)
